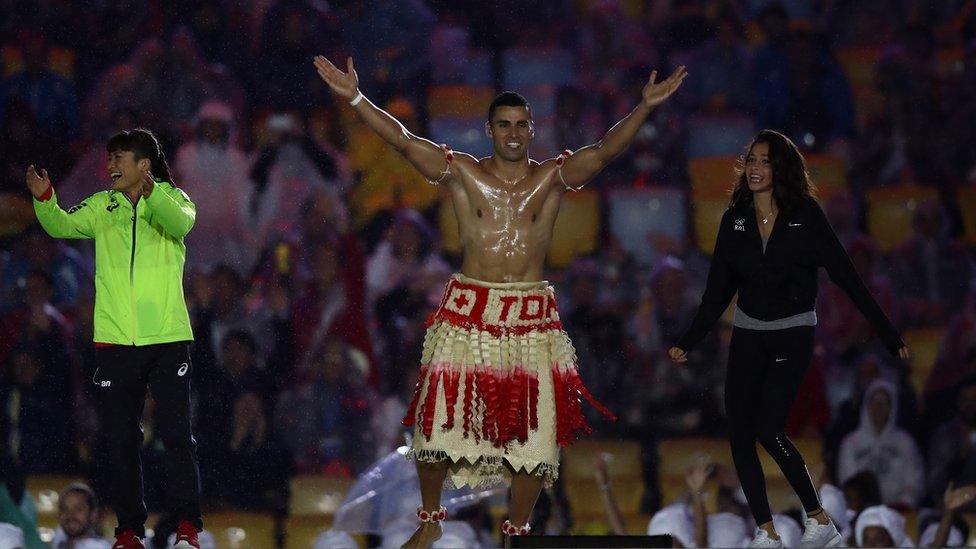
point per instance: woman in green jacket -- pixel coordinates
(142, 328)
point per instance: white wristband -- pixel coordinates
(355, 100)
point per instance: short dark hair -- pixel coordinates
(507, 99)
(143, 144)
(43, 276)
(83, 489)
(865, 483)
(241, 336)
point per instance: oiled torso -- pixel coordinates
(505, 227)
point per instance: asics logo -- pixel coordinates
(183, 368)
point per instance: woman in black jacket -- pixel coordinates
(771, 241)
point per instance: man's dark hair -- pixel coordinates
(143, 144)
(507, 99)
(42, 275)
(865, 483)
(83, 489)
(241, 336)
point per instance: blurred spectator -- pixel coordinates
(954, 364)
(324, 418)
(240, 459)
(138, 85)
(841, 326)
(21, 142)
(932, 271)
(35, 322)
(405, 257)
(405, 278)
(68, 273)
(287, 170)
(219, 307)
(847, 416)
(51, 98)
(291, 31)
(221, 32)
(810, 415)
(720, 71)
(33, 397)
(390, 39)
(332, 301)
(214, 172)
(880, 446)
(386, 181)
(609, 44)
(598, 335)
(861, 491)
(577, 123)
(881, 526)
(842, 212)
(191, 81)
(78, 515)
(821, 105)
(952, 448)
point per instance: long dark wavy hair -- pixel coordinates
(791, 181)
(143, 144)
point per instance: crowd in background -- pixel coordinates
(317, 252)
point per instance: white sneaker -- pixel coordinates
(820, 535)
(762, 539)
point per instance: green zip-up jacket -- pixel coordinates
(139, 257)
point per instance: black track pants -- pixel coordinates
(124, 373)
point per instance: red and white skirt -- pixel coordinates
(498, 390)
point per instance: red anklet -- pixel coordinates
(431, 516)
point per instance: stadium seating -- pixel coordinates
(890, 211)
(712, 178)
(634, 214)
(525, 68)
(719, 135)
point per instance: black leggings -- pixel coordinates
(764, 375)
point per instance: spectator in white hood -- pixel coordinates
(881, 526)
(216, 173)
(675, 521)
(886, 450)
(835, 504)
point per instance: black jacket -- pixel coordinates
(782, 281)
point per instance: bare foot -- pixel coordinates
(425, 536)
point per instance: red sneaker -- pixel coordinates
(127, 539)
(186, 536)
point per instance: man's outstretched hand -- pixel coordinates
(344, 84)
(656, 92)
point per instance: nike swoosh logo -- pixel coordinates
(796, 224)
(780, 360)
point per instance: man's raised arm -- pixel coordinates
(584, 164)
(425, 155)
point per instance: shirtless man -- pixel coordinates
(509, 392)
